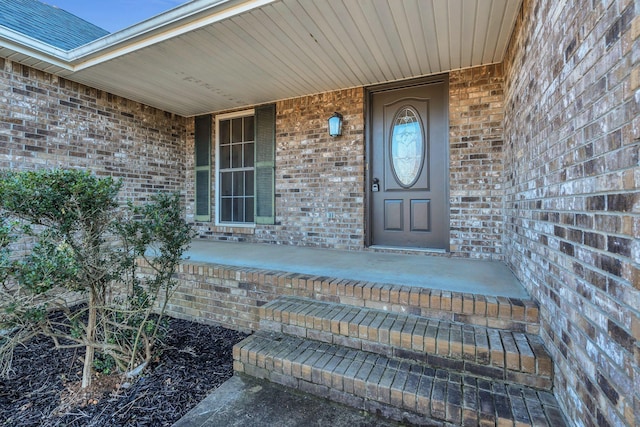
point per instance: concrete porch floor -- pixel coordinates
(490, 278)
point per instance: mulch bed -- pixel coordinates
(44, 389)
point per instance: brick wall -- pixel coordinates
(50, 122)
(476, 160)
(572, 132)
(319, 179)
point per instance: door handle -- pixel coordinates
(375, 186)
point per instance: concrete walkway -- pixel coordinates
(243, 401)
(490, 278)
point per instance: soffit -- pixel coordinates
(289, 48)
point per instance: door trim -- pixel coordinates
(385, 87)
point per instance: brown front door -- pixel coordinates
(409, 166)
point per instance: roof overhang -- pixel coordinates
(214, 55)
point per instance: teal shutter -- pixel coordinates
(203, 168)
(265, 139)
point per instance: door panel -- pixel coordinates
(409, 162)
(421, 215)
(393, 215)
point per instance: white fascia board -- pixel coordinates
(33, 48)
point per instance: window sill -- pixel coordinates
(233, 229)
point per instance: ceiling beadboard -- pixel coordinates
(292, 48)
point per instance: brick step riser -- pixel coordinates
(398, 389)
(503, 355)
(489, 311)
(490, 369)
(266, 285)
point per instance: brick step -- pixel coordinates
(497, 354)
(482, 310)
(254, 286)
(401, 390)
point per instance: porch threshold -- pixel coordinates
(398, 249)
(489, 278)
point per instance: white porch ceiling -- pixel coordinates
(196, 59)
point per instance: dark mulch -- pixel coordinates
(44, 388)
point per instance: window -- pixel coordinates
(245, 167)
(236, 168)
(406, 147)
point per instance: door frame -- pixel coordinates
(384, 87)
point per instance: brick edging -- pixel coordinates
(231, 296)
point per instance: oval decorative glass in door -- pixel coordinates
(406, 146)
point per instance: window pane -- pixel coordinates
(238, 209)
(248, 210)
(236, 156)
(224, 132)
(236, 130)
(407, 147)
(248, 183)
(225, 210)
(225, 155)
(249, 155)
(238, 183)
(226, 184)
(248, 128)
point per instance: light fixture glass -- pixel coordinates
(335, 125)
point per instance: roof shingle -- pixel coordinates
(48, 24)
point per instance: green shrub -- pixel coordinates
(83, 241)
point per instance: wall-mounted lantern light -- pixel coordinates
(335, 125)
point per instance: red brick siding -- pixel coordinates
(49, 122)
(319, 179)
(476, 161)
(572, 132)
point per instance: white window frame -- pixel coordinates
(219, 117)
